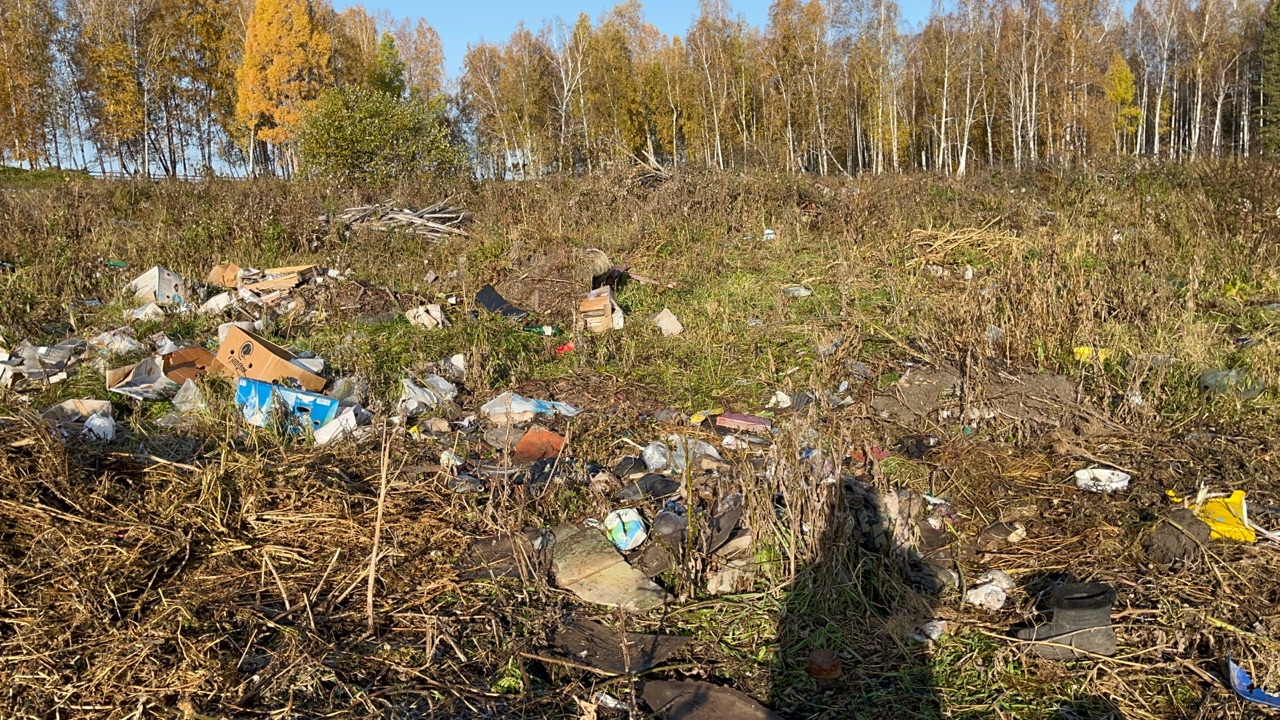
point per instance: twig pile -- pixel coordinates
(939, 246)
(435, 222)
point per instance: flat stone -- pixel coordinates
(585, 563)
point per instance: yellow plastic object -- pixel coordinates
(698, 417)
(1227, 518)
(1086, 354)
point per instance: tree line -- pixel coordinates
(183, 87)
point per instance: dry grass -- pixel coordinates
(217, 572)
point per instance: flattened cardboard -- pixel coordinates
(282, 278)
(537, 444)
(245, 354)
(77, 411)
(191, 363)
(739, 421)
(261, 403)
(143, 381)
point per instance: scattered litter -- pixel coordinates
(648, 485)
(218, 304)
(427, 316)
(1237, 383)
(77, 411)
(503, 437)
(543, 330)
(736, 575)
(1227, 517)
(120, 341)
(345, 425)
(310, 364)
(1101, 480)
(668, 323)
(281, 278)
(824, 665)
(160, 286)
(247, 355)
(1081, 623)
(190, 363)
(1243, 685)
(226, 275)
(931, 631)
(779, 401)
(585, 563)
(298, 411)
(225, 328)
(142, 381)
(416, 400)
(45, 363)
(490, 300)
(566, 348)
(747, 423)
(99, 427)
(538, 443)
(601, 647)
(434, 425)
(512, 409)
(450, 460)
(697, 700)
(990, 590)
(656, 456)
(797, 291)
(162, 343)
(604, 699)
(147, 313)
(769, 235)
(189, 399)
(625, 529)
(1001, 533)
(454, 367)
(599, 312)
(703, 415)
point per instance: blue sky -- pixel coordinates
(462, 23)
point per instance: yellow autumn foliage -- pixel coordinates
(285, 68)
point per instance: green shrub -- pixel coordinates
(357, 134)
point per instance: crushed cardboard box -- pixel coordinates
(599, 312)
(245, 354)
(160, 286)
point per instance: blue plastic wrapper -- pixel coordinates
(299, 411)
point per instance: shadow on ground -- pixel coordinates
(864, 593)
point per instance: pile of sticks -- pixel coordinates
(434, 222)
